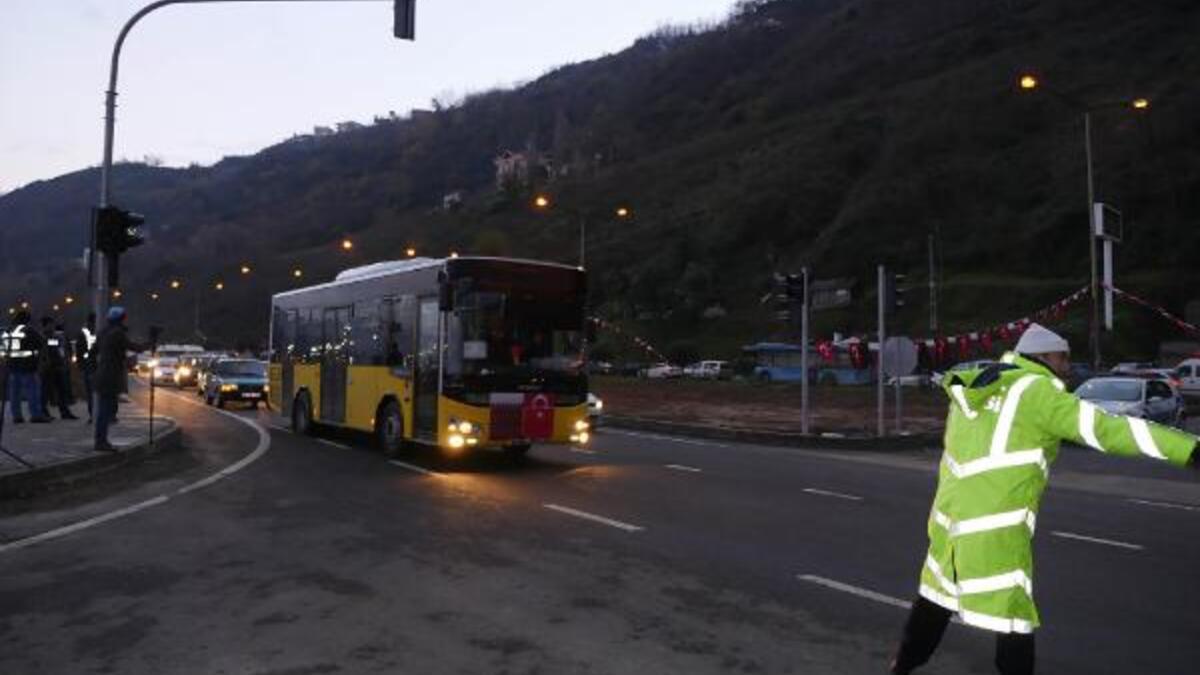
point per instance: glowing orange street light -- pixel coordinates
(623, 212)
(453, 254)
(541, 201)
(68, 300)
(116, 293)
(245, 269)
(411, 251)
(347, 245)
(175, 284)
(1028, 82)
(1141, 103)
(220, 286)
(297, 273)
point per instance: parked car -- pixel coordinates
(1133, 366)
(708, 370)
(1149, 398)
(662, 371)
(1188, 374)
(236, 380)
(595, 410)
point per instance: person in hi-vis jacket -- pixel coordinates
(1002, 434)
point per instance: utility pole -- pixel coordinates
(879, 393)
(933, 289)
(1094, 336)
(804, 353)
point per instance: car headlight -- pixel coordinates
(158, 372)
(599, 404)
(153, 363)
(229, 387)
(266, 388)
(184, 371)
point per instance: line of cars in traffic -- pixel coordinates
(218, 377)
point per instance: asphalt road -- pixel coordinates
(256, 551)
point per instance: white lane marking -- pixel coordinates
(836, 495)
(594, 518)
(672, 439)
(860, 592)
(681, 467)
(332, 444)
(411, 467)
(1166, 505)
(1097, 540)
(583, 451)
(280, 427)
(264, 444)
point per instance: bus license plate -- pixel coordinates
(252, 394)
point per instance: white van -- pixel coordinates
(1188, 374)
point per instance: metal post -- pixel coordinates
(1108, 284)
(879, 395)
(804, 353)
(1094, 334)
(582, 241)
(899, 408)
(933, 308)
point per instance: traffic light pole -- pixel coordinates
(804, 311)
(879, 391)
(405, 13)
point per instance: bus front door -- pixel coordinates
(333, 365)
(428, 370)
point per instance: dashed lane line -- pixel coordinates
(1166, 505)
(685, 468)
(1097, 540)
(627, 527)
(332, 444)
(412, 467)
(583, 451)
(264, 444)
(671, 439)
(835, 495)
(858, 591)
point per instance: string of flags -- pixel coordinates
(1163, 313)
(641, 343)
(941, 350)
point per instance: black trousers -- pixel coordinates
(923, 632)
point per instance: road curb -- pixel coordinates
(779, 438)
(69, 472)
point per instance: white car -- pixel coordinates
(162, 370)
(707, 370)
(595, 408)
(663, 371)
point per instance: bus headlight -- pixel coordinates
(582, 425)
(456, 441)
(581, 438)
(466, 428)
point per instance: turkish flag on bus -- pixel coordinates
(537, 416)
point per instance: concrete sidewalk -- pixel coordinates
(61, 451)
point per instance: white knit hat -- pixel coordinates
(1040, 340)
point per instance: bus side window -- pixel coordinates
(368, 343)
(308, 336)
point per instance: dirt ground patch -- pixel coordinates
(767, 407)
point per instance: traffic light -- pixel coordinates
(405, 25)
(117, 230)
(893, 292)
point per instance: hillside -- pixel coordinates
(834, 133)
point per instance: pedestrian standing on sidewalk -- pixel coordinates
(111, 373)
(51, 366)
(1002, 434)
(85, 358)
(22, 347)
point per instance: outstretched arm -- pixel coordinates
(1069, 418)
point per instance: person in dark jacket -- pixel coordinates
(21, 346)
(111, 373)
(85, 358)
(51, 368)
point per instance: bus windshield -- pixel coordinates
(514, 333)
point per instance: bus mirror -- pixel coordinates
(445, 297)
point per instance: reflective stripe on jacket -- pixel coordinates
(1002, 435)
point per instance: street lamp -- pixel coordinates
(220, 286)
(55, 308)
(245, 269)
(411, 252)
(1030, 82)
(347, 245)
(69, 300)
(297, 273)
(176, 284)
(154, 296)
(541, 201)
(116, 293)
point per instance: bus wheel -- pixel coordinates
(302, 415)
(389, 430)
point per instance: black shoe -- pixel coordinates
(106, 447)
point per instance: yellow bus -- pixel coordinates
(459, 353)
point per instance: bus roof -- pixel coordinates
(392, 267)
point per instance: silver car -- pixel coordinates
(1152, 399)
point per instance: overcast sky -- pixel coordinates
(203, 81)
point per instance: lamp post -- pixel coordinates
(543, 202)
(404, 27)
(1030, 82)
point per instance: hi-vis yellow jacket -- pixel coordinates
(1002, 435)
